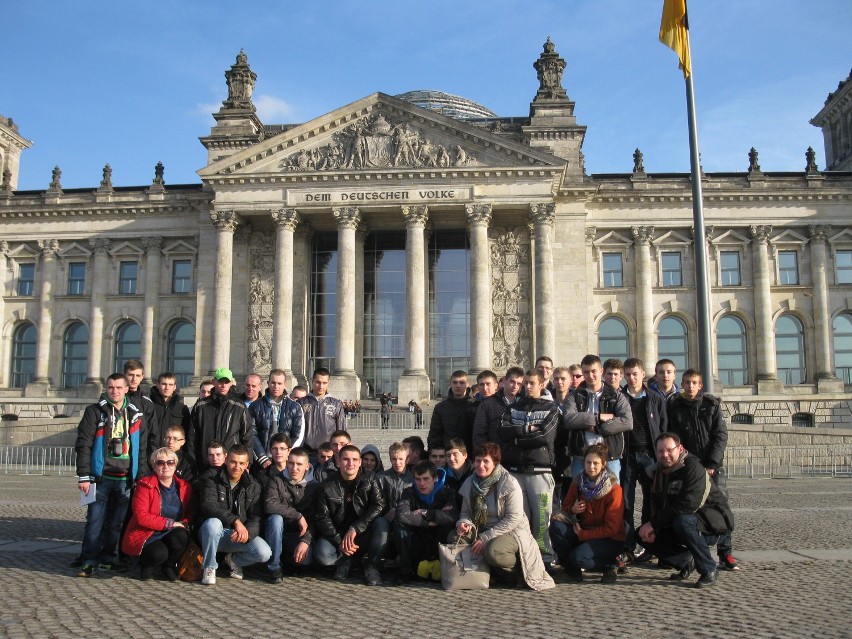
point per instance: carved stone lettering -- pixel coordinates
(510, 287)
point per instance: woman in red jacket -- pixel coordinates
(589, 533)
(158, 531)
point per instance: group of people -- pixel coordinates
(273, 478)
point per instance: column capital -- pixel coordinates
(642, 234)
(361, 233)
(48, 248)
(591, 233)
(286, 219)
(348, 217)
(4, 248)
(100, 245)
(152, 243)
(760, 233)
(478, 214)
(416, 215)
(819, 232)
(542, 213)
(225, 220)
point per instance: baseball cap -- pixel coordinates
(223, 373)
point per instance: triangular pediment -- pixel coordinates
(180, 247)
(380, 133)
(789, 237)
(613, 238)
(672, 237)
(75, 250)
(844, 237)
(127, 249)
(730, 237)
(24, 251)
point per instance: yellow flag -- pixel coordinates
(674, 32)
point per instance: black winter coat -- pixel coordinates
(222, 419)
(331, 505)
(281, 496)
(452, 418)
(701, 427)
(168, 413)
(218, 500)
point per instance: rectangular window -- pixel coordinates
(788, 268)
(26, 279)
(843, 267)
(730, 267)
(76, 278)
(613, 271)
(672, 275)
(127, 274)
(182, 276)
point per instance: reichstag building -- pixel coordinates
(399, 238)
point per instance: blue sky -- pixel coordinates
(134, 83)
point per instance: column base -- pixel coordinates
(770, 386)
(416, 386)
(344, 385)
(37, 388)
(829, 384)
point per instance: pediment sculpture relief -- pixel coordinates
(378, 143)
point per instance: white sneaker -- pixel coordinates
(209, 578)
(236, 571)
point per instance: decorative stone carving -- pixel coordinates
(375, 142)
(549, 68)
(153, 243)
(55, 183)
(347, 216)
(810, 161)
(510, 289)
(48, 248)
(753, 166)
(286, 218)
(761, 233)
(225, 220)
(159, 171)
(638, 162)
(478, 214)
(4, 248)
(261, 301)
(542, 213)
(591, 233)
(416, 215)
(241, 80)
(642, 234)
(100, 245)
(106, 182)
(819, 232)
(7, 181)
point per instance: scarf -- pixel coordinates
(479, 487)
(439, 484)
(590, 489)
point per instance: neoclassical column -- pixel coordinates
(415, 289)
(360, 240)
(646, 345)
(347, 218)
(541, 218)
(478, 219)
(100, 267)
(4, 255)
(767, 368)
(152, 300)
(48, 250)
(822, 314)
(226, 223)
(286, 221)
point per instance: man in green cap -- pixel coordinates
(220, 417)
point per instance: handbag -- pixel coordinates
(191, 563)
(460, 570)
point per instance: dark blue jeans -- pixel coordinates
(632, 471)
(104, 519)
(595, 554)
(675, 544)
(416, 544)
(725, 545)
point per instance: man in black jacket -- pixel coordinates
(169, 408)
(453, 417)
(489, 412)
(230, 511)
(347, 506)
(134, 372)
(697, 419)
(220, 417)
(289, 502)
(688, 513)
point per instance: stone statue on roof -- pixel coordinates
(549, 68)
(240, 79)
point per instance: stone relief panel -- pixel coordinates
(261, 300)
(375, 142)
(511, 282)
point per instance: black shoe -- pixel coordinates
(707, 580)
(574, 574)
(685, 572)
(371, 574)
(609, 576)
(170, 573)
(275, 576)
(146, 573)
(641, 556)
(76, 562)
(341, 572)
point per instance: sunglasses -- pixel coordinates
(577, 375)
(162, 463)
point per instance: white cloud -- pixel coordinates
(272, 110)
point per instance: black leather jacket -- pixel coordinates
(331, 505)
(218, 418)
(218, 500)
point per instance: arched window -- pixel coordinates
(23, 355)
(128, 345)
(181, 357)
(731, 351)
(75, 355)
(790, 350)
(842, 327)
(613, 339)
(672, 342)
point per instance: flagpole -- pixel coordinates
(701, 280)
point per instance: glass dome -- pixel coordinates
(447, 104)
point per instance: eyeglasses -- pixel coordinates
(661, 451)
(174, 439)
(577, 375)
(162, 463)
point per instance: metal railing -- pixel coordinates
(38, 460)
(397, 420)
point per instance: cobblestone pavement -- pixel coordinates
(793, 538)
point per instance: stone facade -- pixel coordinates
(554, 256)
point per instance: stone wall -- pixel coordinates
(827, 412)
